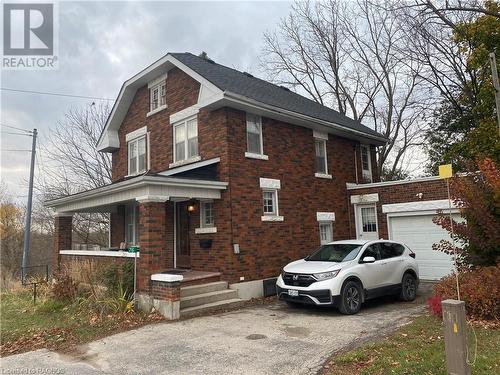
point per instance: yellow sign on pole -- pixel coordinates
(445, 171)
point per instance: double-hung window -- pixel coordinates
(325, 232)
(320, 154)
(207, 214)
(137, 156)
(186, 140)
(366, 164)
(255, 148)
(270, 202)
(132, 224)
(207, 218)
(157, 96)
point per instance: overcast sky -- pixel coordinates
(101, 44)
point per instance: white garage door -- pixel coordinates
(419, 233)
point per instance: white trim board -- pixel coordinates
(185, 168)
(364, 198)
(351, 186)
(100, 253)
(269, 183)
(434, 205)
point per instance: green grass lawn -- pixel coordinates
(417, 348)
(55, 325)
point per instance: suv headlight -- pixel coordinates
(326, 275)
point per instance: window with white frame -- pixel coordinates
(270, 202)
(320, 150)
(325, 232)
(132, 224)
(137, 156)
(254, 134)
(157, 96)
(207, 214)
(366, 164)
(186, 139)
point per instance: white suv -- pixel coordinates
(346, 273)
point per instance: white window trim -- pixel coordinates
(147, 166)
(136, 134)
(154, 111)
(161, 80)
(205, 230)
(261, 138)
(192, 159)
(184, 162)
(366, 173)
(251, 155)
(272, 185)
(322, 137)
(325, 216)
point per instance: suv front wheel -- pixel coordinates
(350, 298)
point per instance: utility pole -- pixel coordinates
(27, 227)
(496, 85)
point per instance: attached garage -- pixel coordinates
(411, 223)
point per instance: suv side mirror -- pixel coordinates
(368, 260)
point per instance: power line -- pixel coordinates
(12, 133)
(13, 127)
(15, 150)
(54, 94)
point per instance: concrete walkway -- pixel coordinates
(272, 339)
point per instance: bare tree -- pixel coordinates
(70, 163)
(351, 57)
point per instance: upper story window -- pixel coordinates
(321, 163)
(157, 95)
(137, 156)
(270, 202)
(366, 164)
(255, 147)
(186, 140)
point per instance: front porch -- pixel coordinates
(159, 214)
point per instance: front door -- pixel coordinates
(366, 222)
(182, 247)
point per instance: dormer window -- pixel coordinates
(157, 95)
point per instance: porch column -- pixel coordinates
(63, 228)
(152, 241)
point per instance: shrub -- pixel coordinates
(434, 304)
(63, 287)
(119, 279)
(479, 289)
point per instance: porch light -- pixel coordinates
(191, 206)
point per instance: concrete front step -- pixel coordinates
(192, 290)
(207, 298)
(219, 305)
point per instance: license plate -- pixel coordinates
(293, 293)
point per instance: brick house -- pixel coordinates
(220, 172)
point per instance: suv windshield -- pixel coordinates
(335, 253)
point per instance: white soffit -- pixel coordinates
(364, 198)
(269, 183)
(440, 204)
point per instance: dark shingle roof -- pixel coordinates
(228, 79)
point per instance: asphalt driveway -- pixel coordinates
(271, 339)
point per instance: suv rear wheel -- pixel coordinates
(408, 287)
(350, 298)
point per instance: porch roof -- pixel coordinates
(140, 188)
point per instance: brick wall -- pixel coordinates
(400, 193)
(164, 291)
(63, 228)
